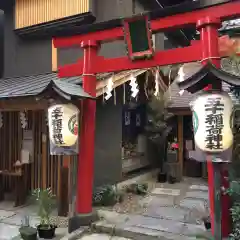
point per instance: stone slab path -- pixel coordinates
(169, 212)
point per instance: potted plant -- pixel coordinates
(45, 200)
(172, 157)
(207, 222)
(28, 233)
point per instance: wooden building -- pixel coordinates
(189, 158)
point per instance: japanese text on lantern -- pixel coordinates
(57, 118)
(214, 123)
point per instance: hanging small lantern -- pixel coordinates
(1, 119)
(181, 76)
(63, 129)
(134, 86)
(109, 89)
(212, 121)
(23, 119)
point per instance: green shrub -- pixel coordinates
(107, 195)
(139, 189)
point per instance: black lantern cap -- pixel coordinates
(207, 74)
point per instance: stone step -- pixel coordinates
(199, 188)
(157, 201)
(197, 195)
(139, 233)
(97, 236)
(141, 227)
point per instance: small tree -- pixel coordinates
(157, 127)
(157, 116)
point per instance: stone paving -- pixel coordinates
(170, 212)
(11, 219)
(98, 236)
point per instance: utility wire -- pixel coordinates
(162, 6)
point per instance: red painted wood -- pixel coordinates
(222, 11)
(131, 54)
(87, 135)
(210, 46)
(101, 65)
(206, 33)
(226, 205)
(100, 36)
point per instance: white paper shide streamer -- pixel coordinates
(181, 75)
(134, 86)
(156, 93)
(109, 89)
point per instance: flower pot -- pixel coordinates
(207, 224)
(28, 233)
(46, 231)
(162, 177)
(193, 168)
(172, 156)
(171, 179)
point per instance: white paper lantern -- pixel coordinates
(212, 121)
(63, 124)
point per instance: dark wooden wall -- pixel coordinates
(45, 169)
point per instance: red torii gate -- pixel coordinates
(207, 21)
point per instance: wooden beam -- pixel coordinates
(180, 142)
(44, 152)
(181, 112)
(54, 58)
(30, 13)
(20, 104)
(63, 195)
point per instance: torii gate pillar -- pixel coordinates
(84, 214)
(208, 28)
